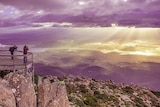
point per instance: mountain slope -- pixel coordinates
(85, 92)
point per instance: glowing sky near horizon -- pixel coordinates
(121, 40)
(121, 22)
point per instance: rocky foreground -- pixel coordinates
(18, 90)
(84, 92)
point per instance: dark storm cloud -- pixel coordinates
(34, 4)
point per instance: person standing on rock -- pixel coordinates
(25, 52)
(12, 49)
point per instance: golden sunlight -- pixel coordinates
(144, 53)
(121, 40)
(136, 47)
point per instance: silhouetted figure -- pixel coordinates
(25, 52)
(12, 49)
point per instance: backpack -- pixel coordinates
(11, 49)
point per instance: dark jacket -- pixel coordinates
(25, 50)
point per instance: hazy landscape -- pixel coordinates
(122, 54)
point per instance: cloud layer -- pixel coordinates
(141, 13)
(34, 4)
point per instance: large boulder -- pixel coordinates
(23, 88)
(17, 90)
(7, 98)
(52, 94)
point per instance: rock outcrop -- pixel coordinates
(52, 94)
(23, 89)
(18, 90)
(7, 98)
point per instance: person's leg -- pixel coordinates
(25, 59)
(12, 55)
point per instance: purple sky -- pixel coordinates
(139, 13)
